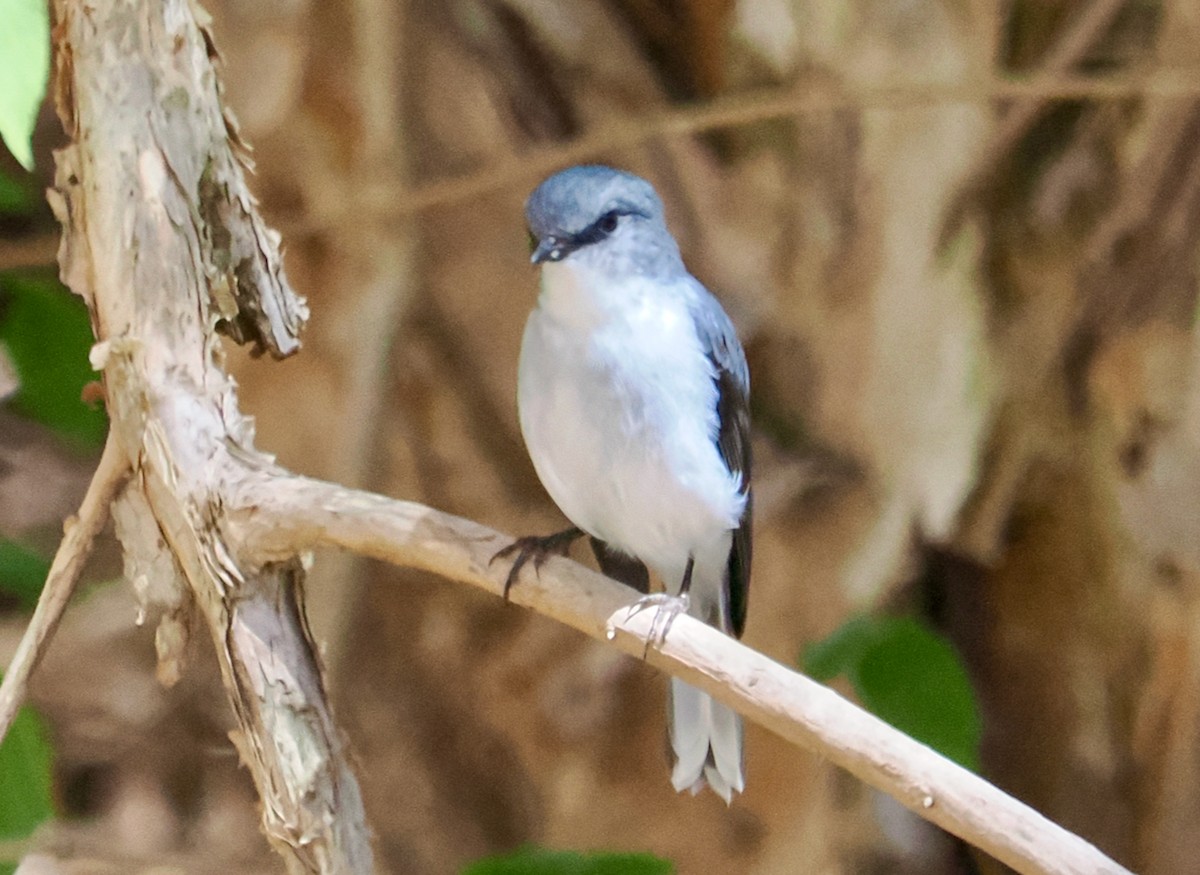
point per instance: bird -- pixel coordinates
(633, 399)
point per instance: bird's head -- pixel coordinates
(599, 215)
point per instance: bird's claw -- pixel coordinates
(667, 608)
(539, 549)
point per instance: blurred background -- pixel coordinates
(959, 239)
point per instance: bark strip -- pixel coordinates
(162, 239)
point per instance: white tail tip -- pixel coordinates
(706, 738)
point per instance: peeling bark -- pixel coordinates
(162, 240)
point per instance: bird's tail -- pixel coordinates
(706, 738)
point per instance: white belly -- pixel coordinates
(619, 415)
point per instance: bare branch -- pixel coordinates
(397, 202)
(1088, 26)
(162, 239)
(280, 515)
(26, 252)
(80, 533)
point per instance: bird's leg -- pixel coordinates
(667, 606)
(538, 549)
(686, 583)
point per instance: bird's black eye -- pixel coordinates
(598, 230)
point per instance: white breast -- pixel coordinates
(618, 409)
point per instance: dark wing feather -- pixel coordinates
(732, 377)
(618, 566)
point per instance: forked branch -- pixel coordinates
(79, 534)
(280, 514)
(163, 241)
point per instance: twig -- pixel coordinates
(279, 515)
(80, 533)
(26, 252)
(397, 201)
(375, 265)
(1065, 53)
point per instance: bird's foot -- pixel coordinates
(666, 608)
(539, 549)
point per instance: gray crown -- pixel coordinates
(570, 201)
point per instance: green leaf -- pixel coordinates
(26, 789)
(539, 861)
(22, 572)
(24, 71)
(16, 196)
(908, 675)
(48, 334)
(842, 650)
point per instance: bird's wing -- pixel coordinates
(732, 376)
(615, 564)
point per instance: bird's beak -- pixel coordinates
(549, 249)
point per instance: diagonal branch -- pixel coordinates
(276, 515)
(80, 533)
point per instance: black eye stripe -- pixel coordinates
(565, 244)
(602, 227)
